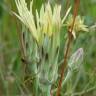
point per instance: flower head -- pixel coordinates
(26, 16)
(47, 22)
(78, 25)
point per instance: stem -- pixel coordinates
(48, 91)
(63, 66)
(81, 93)
(21, 41)
(67, 5)
(68, 47)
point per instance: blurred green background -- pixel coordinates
(10, 60)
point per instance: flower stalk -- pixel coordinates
(42, 42)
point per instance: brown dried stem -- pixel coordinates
(70, 37)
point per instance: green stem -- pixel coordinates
(36, 83)
(48, 89)
(36, 80)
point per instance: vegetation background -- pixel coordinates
(10, 60)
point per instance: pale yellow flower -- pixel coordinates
(26, 16)
(78, 25)
(47, 22)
